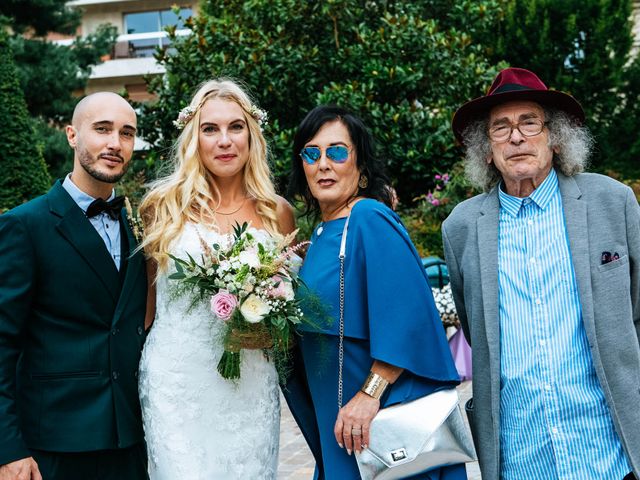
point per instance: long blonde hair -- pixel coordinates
(188, 193)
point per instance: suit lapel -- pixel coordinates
(78, 231)
(135, 267)
(487, 225)
(575, 214)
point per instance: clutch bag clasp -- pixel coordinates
(399, 454)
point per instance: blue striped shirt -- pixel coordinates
(555, 422)
(107, 228)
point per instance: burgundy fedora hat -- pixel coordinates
(514, 84)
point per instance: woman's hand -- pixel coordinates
(354, 419)
(353, 422)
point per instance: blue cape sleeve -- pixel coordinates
(404, 325)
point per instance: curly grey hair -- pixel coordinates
(573, 142)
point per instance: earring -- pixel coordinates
(363, 182)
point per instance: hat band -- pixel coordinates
(510, 87)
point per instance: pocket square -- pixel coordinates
(608, 257)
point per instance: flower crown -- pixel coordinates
(185, 116)
(187, 113)
(260, 115)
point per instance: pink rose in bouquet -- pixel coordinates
(223, 304)
(283, 289)
(249, 279)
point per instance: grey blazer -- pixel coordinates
(601, 215)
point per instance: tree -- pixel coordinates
(40, 16)
(50, 74)
(620, 140)
(404, 67)
(55, 148)
(24, 173)
(582, 47)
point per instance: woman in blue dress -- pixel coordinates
(395, 349)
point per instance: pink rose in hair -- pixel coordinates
(223, 304)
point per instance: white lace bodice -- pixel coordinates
(197, 424)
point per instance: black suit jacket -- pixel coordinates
(71, 332)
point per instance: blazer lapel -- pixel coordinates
(135, 267)
(487, 225)
(575, 214)
(78, 231)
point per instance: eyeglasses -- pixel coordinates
(528, 128)
(335, 153)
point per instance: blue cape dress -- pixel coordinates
(390, 316)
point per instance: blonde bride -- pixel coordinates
(198, 424)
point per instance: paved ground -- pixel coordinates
(296, 462)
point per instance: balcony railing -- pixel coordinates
(140, 45)
(85, 3)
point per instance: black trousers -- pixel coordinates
(631, 476)
(122, 464)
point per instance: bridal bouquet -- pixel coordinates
(250, 286)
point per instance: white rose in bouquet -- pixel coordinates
(249, 257)
(254, 309)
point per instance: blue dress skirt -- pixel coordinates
(389, 316)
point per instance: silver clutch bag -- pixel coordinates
(414, 437)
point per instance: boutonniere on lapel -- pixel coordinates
(135, 222)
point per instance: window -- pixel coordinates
(155, 21)
(140, 25)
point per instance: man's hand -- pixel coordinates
(24, 469)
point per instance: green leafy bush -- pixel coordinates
(51, 75)
(55, 149)
(582, 47)
(24, 173)
(402, 66)
(424, 220)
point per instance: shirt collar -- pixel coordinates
(82, 199)
(541, 196)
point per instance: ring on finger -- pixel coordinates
(356, 432)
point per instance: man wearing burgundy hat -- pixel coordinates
(545, 272)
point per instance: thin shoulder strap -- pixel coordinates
(341, 257)
(343, 242)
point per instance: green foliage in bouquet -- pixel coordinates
(250, 286)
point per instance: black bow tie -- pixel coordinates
(111, 208)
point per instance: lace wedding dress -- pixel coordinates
(197, 424)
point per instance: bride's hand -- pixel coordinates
(353, 422)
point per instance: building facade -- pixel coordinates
(140, 25)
